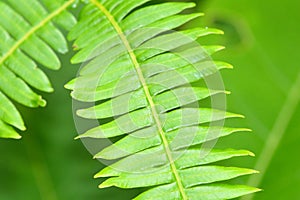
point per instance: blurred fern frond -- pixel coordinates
(29, 38)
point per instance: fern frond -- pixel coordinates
(28, 38)
(141, 73)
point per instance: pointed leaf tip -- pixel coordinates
(229, 66)
(191, 4)
(18, 137)
(22, 127)
(50, 90)
(97, 175)
(200, 14)
(251, 154)
(82, 113)
(69, 85)
(104, 185)
(240, 116)
(77, 137)
(246, 129)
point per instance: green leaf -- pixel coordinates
(9, 113)
(7, 131)
(134, 100)
(190, 177)
(139, 74)
(214, 191)
(153, 158)
(29, 37)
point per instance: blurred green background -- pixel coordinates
(262, 40)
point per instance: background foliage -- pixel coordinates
(261, 39)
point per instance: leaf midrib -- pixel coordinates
(141, 77)
(35, 29)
